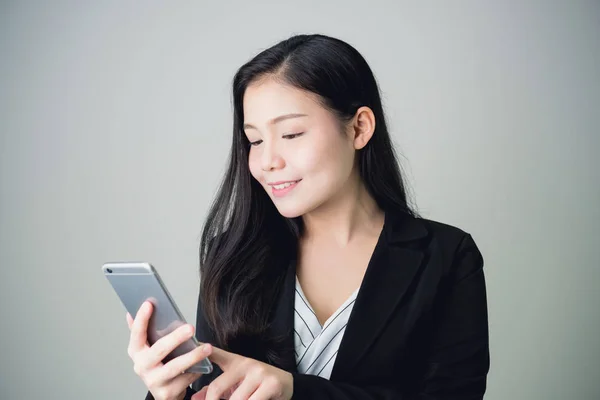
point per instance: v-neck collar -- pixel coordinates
(316, 345)
(393, 266)
(313, 321)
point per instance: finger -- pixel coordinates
(245, 389)
(180, 364)
(223, 384)
(129, 320)
(263, 393)
(180, 383)
(139, 328)
(189, 378)
(167, 344)
(222, 358)
(201, 395)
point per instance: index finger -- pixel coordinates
(221, 357)
(138, 338)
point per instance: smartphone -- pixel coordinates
(136, 282)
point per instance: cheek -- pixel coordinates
(254, 166)
(327, 160)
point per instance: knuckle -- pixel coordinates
(213, 389)
(166, 392)
(169, 393)
(259, 370)
(183, 330)
(247, 364)
(271, 383)
(152, 385)
(165, 345)
(173, 370)
(132, 351)
(162, 393)
(140, 366)
(137, 369)
(161, 351)
(162, 348)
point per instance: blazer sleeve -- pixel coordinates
(204, 334)
(457, 359)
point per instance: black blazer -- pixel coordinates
(418, 328)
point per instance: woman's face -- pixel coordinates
(297, 153)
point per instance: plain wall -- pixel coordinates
(115, 124)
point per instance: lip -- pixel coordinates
(281, 182)
(284, 191)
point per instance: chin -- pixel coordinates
(290, 212)
(292, 209)
(297, 209)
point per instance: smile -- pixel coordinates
(282, 188)
(284, 185)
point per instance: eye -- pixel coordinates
(293, 135)
(255, 143)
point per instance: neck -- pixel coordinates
(351, 214)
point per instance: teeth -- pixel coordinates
(283, 185)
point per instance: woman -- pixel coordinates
(318, 279)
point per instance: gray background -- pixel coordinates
(115, 123)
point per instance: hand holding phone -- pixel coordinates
(162, 345)
(165, 381)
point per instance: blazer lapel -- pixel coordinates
(388, 276)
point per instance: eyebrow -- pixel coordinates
(277, 119)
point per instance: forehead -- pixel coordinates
(269, 99)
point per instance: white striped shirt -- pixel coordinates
(317, 346)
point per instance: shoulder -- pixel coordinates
(444, 244)
(408, 228)
(460, 254)
(446, 234)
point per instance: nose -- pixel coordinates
(271, 159)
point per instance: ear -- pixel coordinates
(363, 127)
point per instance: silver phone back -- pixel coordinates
(136, 282)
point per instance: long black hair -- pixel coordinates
(246, 244)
